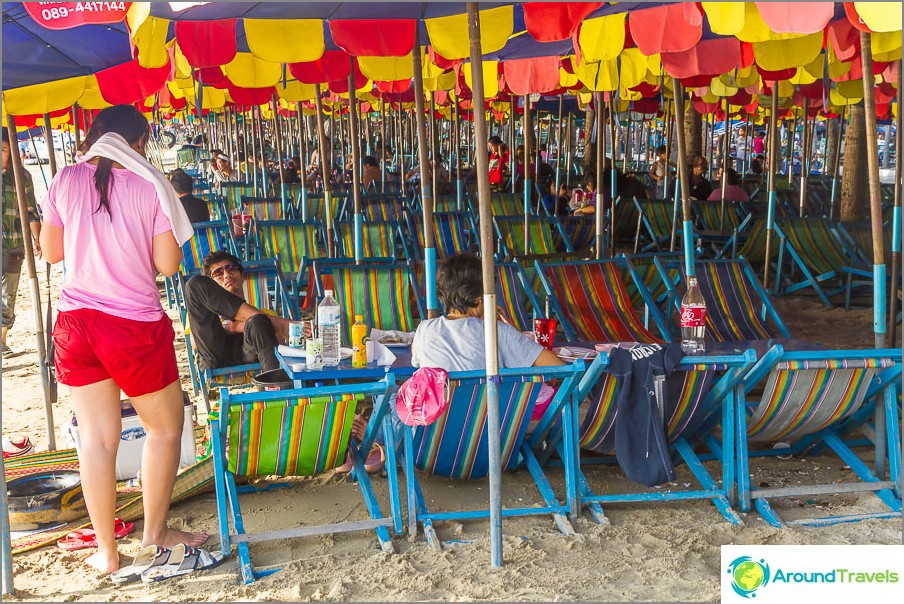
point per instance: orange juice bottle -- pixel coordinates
(359, 352)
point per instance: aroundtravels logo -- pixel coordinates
(748, 575)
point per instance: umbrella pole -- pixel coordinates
(837, 163)
(526, 132)
(302, 159)
(382, 146)
(875, 195)
(459, 184)
(279, 153)
(725, 151)
(791, 137)
(569, 151)
(325, 162)
(773, 160)
(489, 287)
(804, 157)
(355, 140)
(558, 154)
(896, 225)
(426, 183)
(513, 135)
(434, 147)
(683, 179)
(400, 148)
(600, 151)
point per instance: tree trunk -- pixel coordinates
(832, 137)
(589, 147)
(854, 181)
(693, 131)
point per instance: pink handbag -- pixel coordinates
(424, 397)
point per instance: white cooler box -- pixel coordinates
(128, 459)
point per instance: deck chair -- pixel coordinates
(453, 232)
(857, 238)
(379, 239)
(455, 445)
(579, 230)
(265, 208)
(748, 241)
(298, 432)
(516, 294)
(655, 217)
(592, 304)
(233, 192)
(449, 203)
(314, 207)
(645, 267)
(503, 204)
(693, 415)
(387, 295)
(810, 398)
(626, 221)
(738, 307)
(294, 244)
(546, 235)
(384, 208)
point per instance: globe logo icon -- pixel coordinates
(748, 575)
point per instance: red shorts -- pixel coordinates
(92, 346)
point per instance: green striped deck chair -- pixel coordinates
(711, 219)
(453, 232)
(738, 307)
(315, 208)
(504, 204)
(650, 278)
(545, 235)
(858, 240)
(592, 304)
(380, 239)
(233, 192)
(386, 295)
(265, 208)
(519, 304)
(656, 220)
(208, 237)
(748, 241)
(384, 209)
(807, 399)
(456, 444)
(449, 203)
(186, 158)
(293, 243)
(579, 230)
(693, 410)
(626, 221)
(299, 432)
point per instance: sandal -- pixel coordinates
(16, 448)
(147, 558)
(86, 537)
(373, 463)
(8, 352)
(183, 560)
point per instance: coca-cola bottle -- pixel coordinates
(693, 319)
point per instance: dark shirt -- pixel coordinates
(702, 189)
(195, 208)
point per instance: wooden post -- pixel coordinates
(613, 176)
(599, 218)
(804, 157)
(489, 288)
(325, 162)
(875, 192)
(426, 181)
(774, 150)
(355, 140)
(726, 149)
(279, 150)
(837, 163)
(684, 179)
(896, 223)
(569, 157)
(459, 184)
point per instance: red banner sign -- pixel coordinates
(65, 15)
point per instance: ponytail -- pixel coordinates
(103, 182)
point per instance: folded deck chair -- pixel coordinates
(298, 432)
(386, 295)
(808, 399)
(700, 389)
(456, 444)
(738, 307)
(591, 302)
(379, 239)
(545, 235)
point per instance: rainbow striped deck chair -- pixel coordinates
(299, 432)
(265, 208)
(293, 243)
(315, 208)
(449, 203)
(810, 398)
(650, 278)
(656, 218)
(545, 235)
(208, 237)
(233, 192)
(692, 416)
(592, 304)
(380, 239)
(456, 444)
(503, 204)
(627, 222)
(453, 232)
(711, 219)
(579, 230)
(517, 294)
(384, 208)
(387, 295)
(738, 307)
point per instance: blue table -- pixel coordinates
(297, 371)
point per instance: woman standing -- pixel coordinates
(116, 221)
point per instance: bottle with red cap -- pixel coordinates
(693, 319)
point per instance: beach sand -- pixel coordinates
(658, 551)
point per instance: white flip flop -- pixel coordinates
(149, 557)
(183, 560)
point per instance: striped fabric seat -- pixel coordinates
(626, 216)
(544, 235)
(290, 241)
(516, 302)
(299, 432)
(264, 208)
(234, 191)
(656, 218)
(448, 203)
(379, 238)
(808, 398)
(506, 204)
(592, 303)
(580, 230)
(650, 277)
(384, 210)
(710, 217)
(186, 158)
(381, 293)
(209, 237)
(315, 208)
(453, 232)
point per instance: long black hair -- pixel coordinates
(124, 120)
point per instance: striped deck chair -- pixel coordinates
(380, 239)
(453, 232)
(383, 208)
(293, 243)
(748, 241)
(692, 417)
(592, 304)
(504, 204)
(298, 432)
(518, 302)
(808, 398)
(656, 220)
(186, 158)
(455, 445)
(387, 295)
(265, 208)
(315, 208)
(449, 203)
(738, 307)
(546, 235)
(626, 221)
(233, 192)
(710, 219)
(650, 277)
(858, 241)
(579, 230)
(818, 258)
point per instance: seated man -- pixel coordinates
(196, 209)
(226, 330)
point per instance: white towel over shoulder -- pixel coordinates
(114, 147)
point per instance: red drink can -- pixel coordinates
(545, 332)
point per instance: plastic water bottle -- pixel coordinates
(693, 319)
(328, 324)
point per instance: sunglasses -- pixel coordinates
(220, 272)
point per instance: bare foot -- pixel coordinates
(102, 562)
(172, 537)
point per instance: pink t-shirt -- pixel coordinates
(108, 256)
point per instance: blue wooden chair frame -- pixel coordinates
(428, 446)
(813, 416)
(554, 235)
(229, 512)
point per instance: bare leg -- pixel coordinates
(161, 416)
(100, 426)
